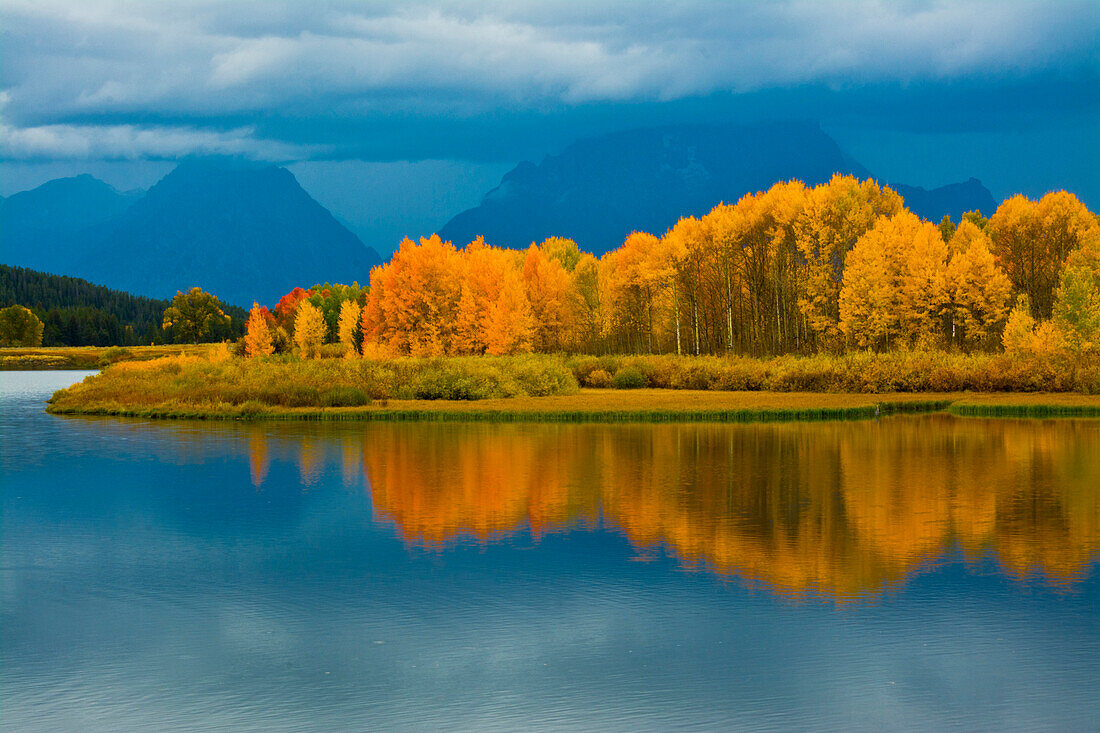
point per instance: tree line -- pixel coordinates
(794, 269)
(75, 312)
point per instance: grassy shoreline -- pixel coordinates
(646, 405)
(56, 358)
(212, 384)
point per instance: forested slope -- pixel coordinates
(76, 312)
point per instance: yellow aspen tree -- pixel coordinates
(309, 329)
(586, 313)
(978, 291)
(1031, 240)
(868, 316)
(922, 281)
(511, 323)
(257, 339)
(835, 216)
(564, 251)
(546, 284)
(1077, 309)
(414, 297)
(348, 326)
(1019, 330)
(691, 245)
(468, 338)
(671, 256)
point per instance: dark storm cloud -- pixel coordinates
(90, 79)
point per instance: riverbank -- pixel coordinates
(521, 388)
(643, 405)
(49, 358)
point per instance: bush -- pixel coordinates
(628, 378)
(344, 396)
(599, 379)
(251, 408)
(113, 354)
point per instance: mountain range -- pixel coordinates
(600, 189)
(240, 230)
(247, 231)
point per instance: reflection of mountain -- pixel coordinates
(844, 509)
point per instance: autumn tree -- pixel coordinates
(586, 321)
(922, 281)
(978, 291)
(20, 327)
(632, 287)
(835, 216)
(1077, 308)
(348, 327)
(868, 317)
(329, 298)
(309, 329)
(194, 316)
(511, 324)
(257, 338)
(563, 251)
(1031, 240)
(895, 284)
(413, 302)
(947, 228)
(759, 236)
(288, 306)
(1019, 329)
(483, 273)
(688, 247)
(546, 285)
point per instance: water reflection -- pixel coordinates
(841, 509)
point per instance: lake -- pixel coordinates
(909, 573)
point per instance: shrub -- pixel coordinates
(344, 396)
(540, 376)
(251, 408)
(599, 379)
(628, 378)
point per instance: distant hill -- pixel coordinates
(77, 313)
(600, 189)
(242, 231)
(954, 199)
(51, 227)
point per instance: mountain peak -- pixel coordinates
(244, 231)
(599, 189)
(954, 199)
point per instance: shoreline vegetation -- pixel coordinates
(46, 358)
(553, 388)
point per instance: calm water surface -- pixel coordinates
(922, 573)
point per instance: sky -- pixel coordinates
(397, 115)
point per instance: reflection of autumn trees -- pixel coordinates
(843, 509)
(439, 481)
